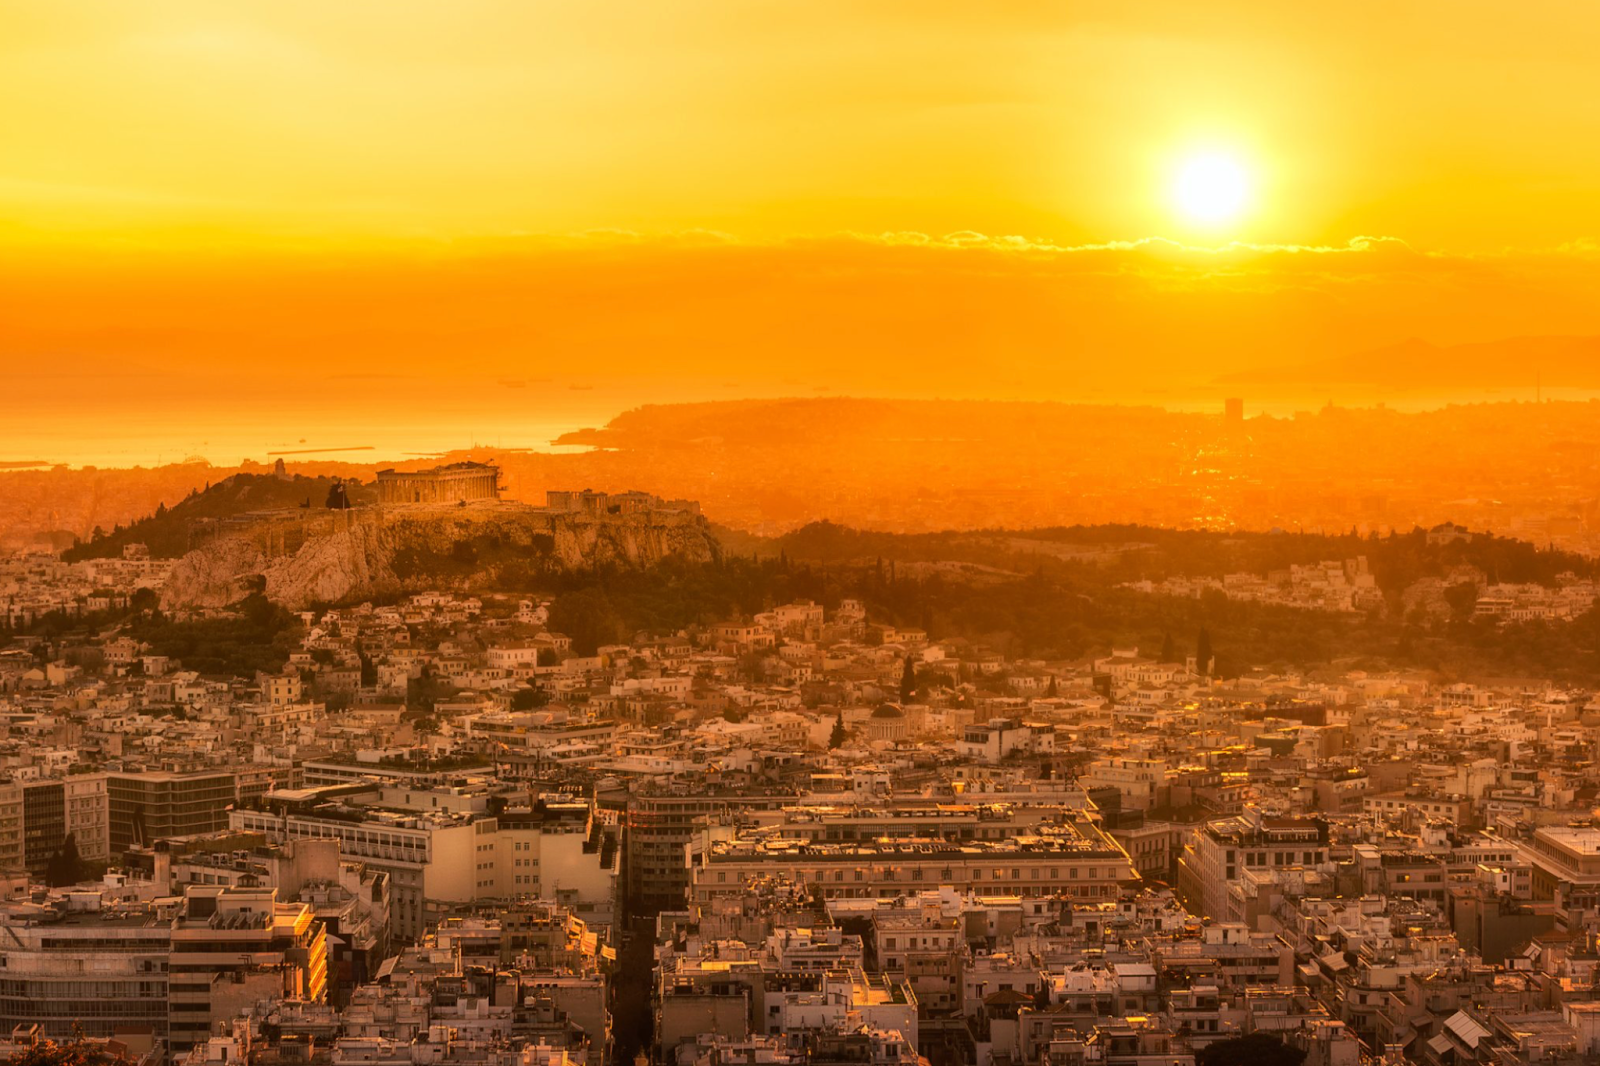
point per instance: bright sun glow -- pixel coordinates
(1212, 188)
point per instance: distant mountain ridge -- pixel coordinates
(1571, 362)
(766, 466)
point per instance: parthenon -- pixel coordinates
(455, 483)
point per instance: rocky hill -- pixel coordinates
(335, 557)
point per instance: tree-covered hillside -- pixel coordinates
(1071, 615)
(166, 532)
(1132, 552)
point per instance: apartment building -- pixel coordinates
(1073, 858)
(158, 805)
(664, 824)
(231, 947)
(1218, 850)
(169, 969)
(450, 846)
(37, 816)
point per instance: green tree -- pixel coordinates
(145, 600)
(1169, 650)
(589, 618)
(528, 698)
(1463, 600)
(838, 735)
(65, 866)
(425, 691)
(1202, 652)
(908, 680)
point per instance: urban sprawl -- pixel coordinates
(442, 835)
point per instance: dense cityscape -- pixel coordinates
(472, 824)
(799, 533)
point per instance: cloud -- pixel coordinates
(957, 314)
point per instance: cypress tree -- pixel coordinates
(65, 866)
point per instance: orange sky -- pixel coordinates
(638, 199)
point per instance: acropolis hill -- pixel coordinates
(328, 555)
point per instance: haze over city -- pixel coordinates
(540, 215)
(777, 533)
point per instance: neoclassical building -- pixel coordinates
(455, 483)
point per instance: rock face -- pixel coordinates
(376, 551)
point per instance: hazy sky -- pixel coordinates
(949, 198)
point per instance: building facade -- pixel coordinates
(455, 483)
(150, 806)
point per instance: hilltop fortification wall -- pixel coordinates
(301, 558)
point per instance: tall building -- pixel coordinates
(36, 818)
(661, 824)
(149, 806)
(1218, 851)
(86, 968)
(171, 969)
(351, 899)
(44, 823)
(11, 828)
(88, 815)
(1565, 859)
(448, 846)
(233, 947)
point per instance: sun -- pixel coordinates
(1212, 188)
